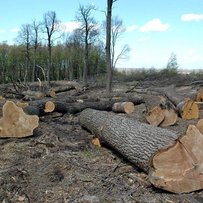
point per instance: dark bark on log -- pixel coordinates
(138, 142)
(77, 107)
(36, 108)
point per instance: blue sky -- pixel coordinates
(154, 29)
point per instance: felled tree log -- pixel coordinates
(137, 141)
(123, 107)
(67, 86)
(172, 163)
(15, 123)
(39, 107)
(76, 107)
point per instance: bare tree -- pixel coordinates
(108, 44)
(122, 55)
(35, 40)
(89, 32)
(117, 31)
(51, 28)
(24, 37)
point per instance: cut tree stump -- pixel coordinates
(123, 107)
(15, 123)
(172, 163)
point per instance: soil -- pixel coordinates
(59, 164)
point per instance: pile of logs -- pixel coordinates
(173, 105)
(172, 162)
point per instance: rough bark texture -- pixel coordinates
(138, 142)
(73, 108)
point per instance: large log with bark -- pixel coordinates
(173, 163)
(77, 107)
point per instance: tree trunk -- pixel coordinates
(173, 163)
(77, 107)
(108, 46)
(138, 142)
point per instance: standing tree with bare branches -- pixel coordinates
(51, 26)
(89, 32)
(24, 37)
(35, 41)
(117, 31)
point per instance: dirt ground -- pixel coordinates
(59, 164)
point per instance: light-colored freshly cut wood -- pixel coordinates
(199, 97)
(123, 107)
(190, 110)
(15, 123)
(200, 125)
(170, 117)
(49, 107)
(155, 116)
(179, 168)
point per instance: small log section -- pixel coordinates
(15, 123)
(172, 164)
(123, 107)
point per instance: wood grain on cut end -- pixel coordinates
(190, 110)
(200, 125)
(123, 107)
(155, 116)
(179, 168)
(170, 117)
(15, 123)
(49, 107)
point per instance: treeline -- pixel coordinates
(43, 51)
(67, 62)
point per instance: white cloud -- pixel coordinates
(191, 17)
(144, 39)
(2, 31)
(69, 26)
(131, 28)
(15, 29)
(154, 25)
